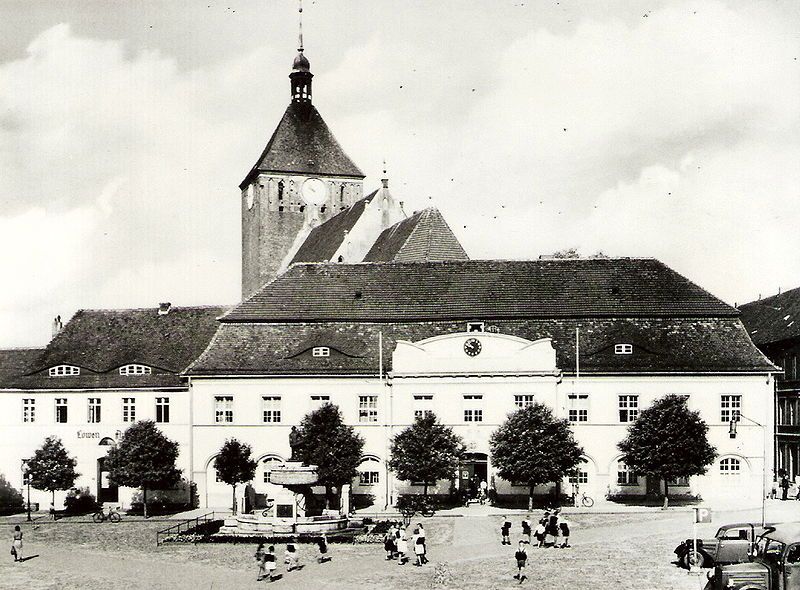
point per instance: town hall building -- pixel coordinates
(348, 299)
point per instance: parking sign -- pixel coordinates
(702, 515)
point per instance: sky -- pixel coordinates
(667, 129)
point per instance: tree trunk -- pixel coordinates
(666, 494)
(328, 494)
(233, 505)
(144, 500)
(530, 498)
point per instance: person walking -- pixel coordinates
(322, 545)
(521, 555)
(259, 556)
(402, 548)
(16, 547)
(526, 529)
(291, 557)
(563, 526)
(270, 562)
(505, 531)
(424, 542)
(551, 530)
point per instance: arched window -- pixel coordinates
(730, 466)
(267, 465)
(135, 370)
(368, 472)
(626, 477)
(64, 371)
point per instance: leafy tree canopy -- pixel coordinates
(668, 440)
(51, 468)
(324, 440)
(144, 458)
(534, 446)
(426, 451)
(234, 464)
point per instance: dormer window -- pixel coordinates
(475, 327)
(623, 349)
(135, 370)
(320, 351)
(64, 371)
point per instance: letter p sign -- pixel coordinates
(702, 515)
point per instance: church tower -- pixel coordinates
(302, 178)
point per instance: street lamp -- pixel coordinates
(26, 479)
(734, 419)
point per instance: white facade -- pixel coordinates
(86, 435)
(474, 394)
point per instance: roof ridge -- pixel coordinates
(172, 307)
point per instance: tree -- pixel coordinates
(534, 447)
(10, 499)
(234, 465)
(668, 440)
(426, 451)
(324, 440)
(144, 458)
(51, 468)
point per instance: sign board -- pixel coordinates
(702, 515)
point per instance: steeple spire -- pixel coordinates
(301, 71)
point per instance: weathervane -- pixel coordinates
(300, 12)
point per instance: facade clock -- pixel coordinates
(472, 347)
(314, 192)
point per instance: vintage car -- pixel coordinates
(731, 544)
(774, 564)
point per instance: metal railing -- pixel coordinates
(184, 526)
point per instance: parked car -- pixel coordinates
(774, 565)
(731, 544)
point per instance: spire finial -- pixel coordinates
(385, 179)
(300, 17)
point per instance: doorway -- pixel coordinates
(106, 491)
(473, 470)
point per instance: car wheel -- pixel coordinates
(694, 559)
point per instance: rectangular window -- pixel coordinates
(271, 408)
(628, 408)
(29, 410)
(579, 477)
(730, 406)
(162, 409)
(423, 405)
(320, 351)
(578, 410)
(94, 410)
(129, 409)
(368, 478)
(523, 400)
(679, 482)
(623, 349)
(61, 410)
(223, 408)
(473, 408)
(318, 400)
(367, 408)
(626, 477)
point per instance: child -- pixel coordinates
(522, 557)
(526, 529)
(539, 533)
(505, 531)
(402, 549)
(322, 544)
(389, 544)
(551, 530)
(17, 546)
(261, 562)
(564, 526)
(419, 548)
(290, 558)
(424, 545)
(270, 562)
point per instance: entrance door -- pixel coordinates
(472, 471)
(106, 491)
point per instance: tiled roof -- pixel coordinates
(15, 362)
(425, 236)
(477, 289)
(101, 341)
(773, 319)
(690, 345)
(323, 241)
(303, 145)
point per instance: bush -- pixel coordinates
(11, 500)
(80, 501)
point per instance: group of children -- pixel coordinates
(552, 530)
(268, 562)
(396, 544)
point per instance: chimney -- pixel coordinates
(163, 308)
(57, 325)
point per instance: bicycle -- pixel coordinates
(112, 516)
(582, 500)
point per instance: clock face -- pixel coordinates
(472, 347)
(314, 192)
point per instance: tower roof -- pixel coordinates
(303, 145)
